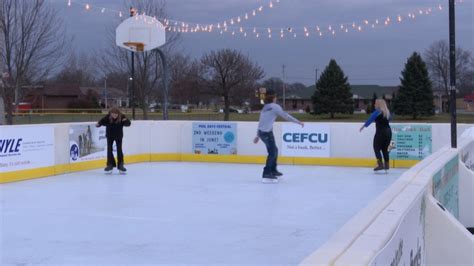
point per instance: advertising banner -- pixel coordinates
(411, 142)
(312, 140)
(407, 245)
(87, 143)
(23, 148)
(446, 186)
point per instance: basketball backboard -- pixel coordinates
(140, 33)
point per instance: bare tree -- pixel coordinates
(437, 60)
(79, 71)
(186, 82)
(33, 41)
(228, 71)
(147, 64)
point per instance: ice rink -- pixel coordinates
(181, 213)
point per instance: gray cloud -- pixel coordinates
(373, 56)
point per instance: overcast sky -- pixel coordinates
(368, 57)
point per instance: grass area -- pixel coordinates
(210, 116)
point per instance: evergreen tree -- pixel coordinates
(333, 92)
(415, 96)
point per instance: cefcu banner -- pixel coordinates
(412, 142)
(308, 141)
(214, 138)
(407, 245)
(87, 143)
(23, 148)
(446, 186)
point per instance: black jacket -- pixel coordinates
(114, 127)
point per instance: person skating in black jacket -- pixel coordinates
(114, 123)
(383, 134)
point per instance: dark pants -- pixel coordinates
(110, 154)
(382, 140)
(269, 139)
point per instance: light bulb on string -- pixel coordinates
(69, 3)
(88, 7)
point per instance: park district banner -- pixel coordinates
(214, 138)
(308, 141)
(22, 148)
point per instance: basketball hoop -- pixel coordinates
(136, 46)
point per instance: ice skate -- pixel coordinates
(122, 169)
(386, 167)
(277, 173)
(379, 166)
(108, 170)
(269, 179)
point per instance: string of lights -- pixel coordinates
(179, 25)
(231, 26)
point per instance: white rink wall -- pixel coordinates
(175, 137)
(362, 238)
(375, 236)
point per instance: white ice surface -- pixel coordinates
(181, 213)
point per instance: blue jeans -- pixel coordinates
(269, 139)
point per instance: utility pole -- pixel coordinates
(284, 87)
(452, 64)
(105, 94)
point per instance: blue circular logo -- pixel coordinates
(74, 152)
(229, 137)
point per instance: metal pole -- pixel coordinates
(164, 67)
(132, 89)
(452, 63)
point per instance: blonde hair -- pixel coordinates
(382, 105)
